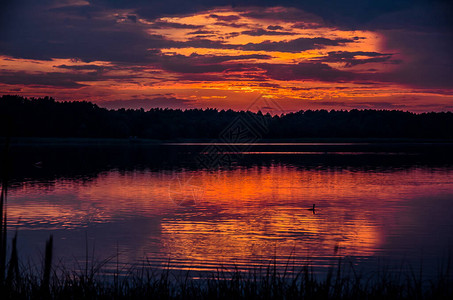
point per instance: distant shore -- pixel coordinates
(45, 117)
(17, 141)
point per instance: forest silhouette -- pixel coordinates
(45, 117)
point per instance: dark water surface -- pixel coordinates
(199, 207)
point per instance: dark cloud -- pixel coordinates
(81, 67)
(195, 43)
(271, 85)
(224, 58)
(429, 63)
(290, 13)
(308, 71)
(202, 77)
(231, 24)
(204, 36)
(132, 18)
(201, 63)
(350, 58)
(229, 18)
(42, 34)
(364, 14)
(54, 80)
(296, 45)
(202, 32)
(165, 24)
(72, 80)
(350, 13)
(274, 27)
(260, 32)
(127, 18)
(428, 16)
(305, 25)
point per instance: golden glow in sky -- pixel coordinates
(225, 58)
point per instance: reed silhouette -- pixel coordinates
(3, 211)
(343, 280)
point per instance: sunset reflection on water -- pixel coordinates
(242, 216)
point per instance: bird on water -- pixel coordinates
(312, 209)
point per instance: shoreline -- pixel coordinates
(67, 141)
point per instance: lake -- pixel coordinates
(199, 207)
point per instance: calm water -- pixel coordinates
(162, 206)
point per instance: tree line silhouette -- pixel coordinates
(45, 117)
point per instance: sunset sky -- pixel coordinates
(224, 54)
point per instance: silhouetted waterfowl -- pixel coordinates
(312, 209)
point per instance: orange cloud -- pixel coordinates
(217, 58)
